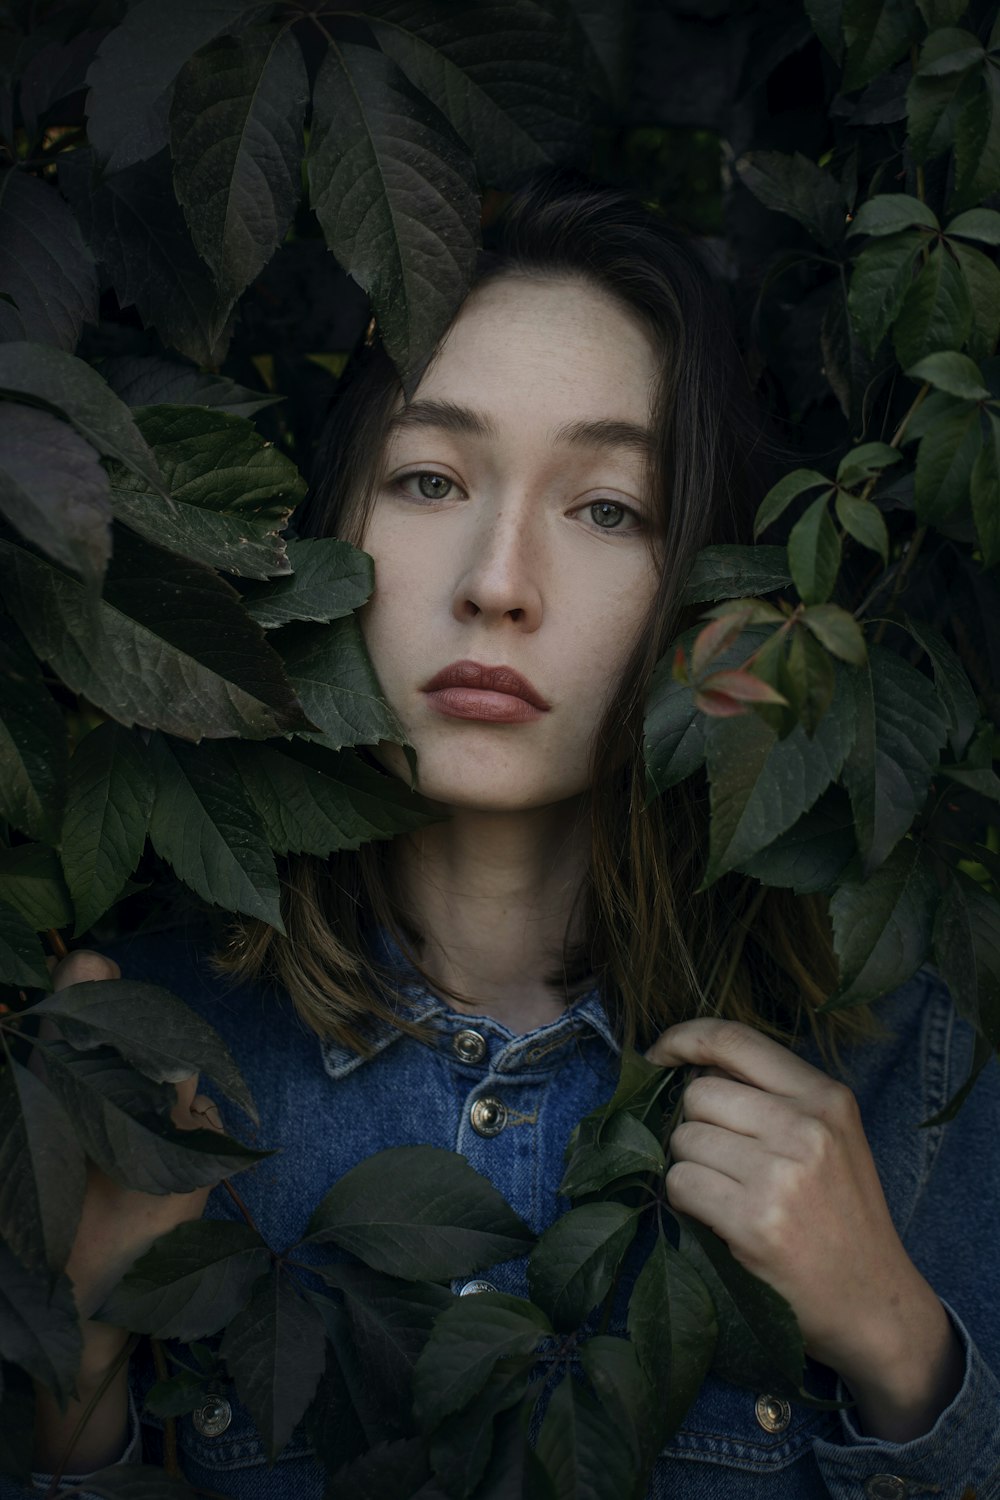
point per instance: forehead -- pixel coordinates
(530, 353)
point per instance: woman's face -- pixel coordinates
(511, 532)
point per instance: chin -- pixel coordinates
(476, 781)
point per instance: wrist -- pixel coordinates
(913, 1373)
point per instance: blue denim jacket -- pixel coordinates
(328, 1109)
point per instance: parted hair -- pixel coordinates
(661, 948)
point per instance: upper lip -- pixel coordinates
(474, 674)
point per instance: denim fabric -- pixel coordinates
(327, 1110)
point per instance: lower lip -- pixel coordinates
(482, 704)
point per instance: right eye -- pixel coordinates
(432, 485)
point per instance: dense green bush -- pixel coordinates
(182, 683)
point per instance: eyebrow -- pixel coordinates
(448, 416)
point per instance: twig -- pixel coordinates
(238, 1201)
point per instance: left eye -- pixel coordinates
(608, 514)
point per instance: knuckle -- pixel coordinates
(82, 966)
(679, 1182)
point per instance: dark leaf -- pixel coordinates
(42, 1174)
(31, 882)
(864, 460)
(984, 487)
(901, 727)
(882, 926)
(626, 1147)
(389, 1322)
(146, 380)
(945, 459)
(814, 851)
(625, 1392)
(933, 104)
(977, 144)
(169, 646)
(440, 1219)
(394, 191)
(44, 265)
(814, 552)
(672, 1324)
(640, 1084)
(160, 1036)
(54, 490)
(953, 946)
(190, 1282)
(388, 1471)
(882, 274)
(461, 1445)
(232, 491)
(73, 388)
(177, 1396)
(330, 670)
(777, 501)
(204, 826)
(466, 1343)
(33, 748)
(796, 186)
(572, 1266)
(728, 572)
(890, 213)
(275, 1350)
(329, 579)
(954, 373)
(38, 1326)
(584, 1453)
(759, 1342)
(236, 141)
(982, 278)
(131, 76)
(838, 631)
(936, 311)
(954, 688)
(864, 522)
(110, 798)
(877, 34)
(22, 961)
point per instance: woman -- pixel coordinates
(576, 437)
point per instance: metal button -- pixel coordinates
(773, 1413)
(471, 1287)
(488, 1116)
(887, 1487)
(213, 1416)
(469, 1046)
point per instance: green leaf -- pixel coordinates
(977, 145)
(759, 1342)
(394, 191)
(826, 17)
(983, 280)
(236, 141)
(120, 1120)
(982, 224)
(583, 1451)
(389, 1322)
(33, 748)
(838, 631)
(42, 1172)
(462, 1444)
(882, 274)
(902, 725)
(625, 1392)
(466, 1343)
(54, 490)
(949, 49)
(953, 946)
(233, 491)
(864, 522)
(945, 459)
(936, 312)
(572, 1266)
(732, 572)
(626, 1147)
(810, 679)
(889, 213)
(148, 380)
(781, 495)
(110, 799)
(877, 34)
(882, 926)
(932, 108)
(191, 1282)
(153, 1030)
(39, 1329)
(205, 827)
(861, 462)
(814, 851)
(73, 388)
(330, 670)
(31, 881)
(45, 268)
(954, 688)
(796, 186)
(504, 78)
(275, 1349)
(329, 578)
(440, 1220)
(966, 946)
(761, 786)
(136, 64)
(814, 552)
(169, 645)
(985, 491)
(640, 1084)
(672, 1324)
(22, 961)
(951, 372)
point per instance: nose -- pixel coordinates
(500, 573)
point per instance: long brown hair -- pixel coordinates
(660, 949)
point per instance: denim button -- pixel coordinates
(469, 1046)
(472, 1287)
(773, 1413)
(213, 1416)
(488, 1116)
(886, 1487)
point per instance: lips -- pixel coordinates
(472, 690)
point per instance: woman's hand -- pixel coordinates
(771, 1154)
(116, 1226)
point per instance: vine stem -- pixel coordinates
(248, 1216)
(88, 1411)
(56, 943)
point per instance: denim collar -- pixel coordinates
(415, 1002)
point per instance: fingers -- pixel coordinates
(83, 965)
(194, 1111)
(206, 1113)
(740, 1051)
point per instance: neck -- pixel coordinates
(492, 895)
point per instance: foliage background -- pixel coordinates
(182, 683)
